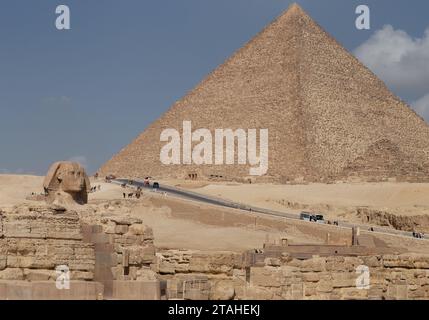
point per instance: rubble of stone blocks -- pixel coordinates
(128, 245)
(35, 240)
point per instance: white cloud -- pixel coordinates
(422, 107)
(80, 159)
(398, 59)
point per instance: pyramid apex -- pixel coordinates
(295, 8)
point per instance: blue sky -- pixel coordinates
(85, 93)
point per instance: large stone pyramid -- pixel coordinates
(329, 117)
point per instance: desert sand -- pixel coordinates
(14, 189)
(334, 200)
(182, 224)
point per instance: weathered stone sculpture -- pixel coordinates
(66, 184)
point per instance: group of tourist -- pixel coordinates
(132, 194)
(95, 188)
(136, 194)
(418, 235)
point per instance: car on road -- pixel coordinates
(110, 177)
(305, 216)
(155, 185)
(319, 218)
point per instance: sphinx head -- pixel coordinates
(67, 182)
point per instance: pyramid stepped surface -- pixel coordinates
(328, 116)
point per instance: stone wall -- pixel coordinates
(198, 275)
(124, 253)
(333, 278)
(34, 240)
(403, 276)
(109, 259)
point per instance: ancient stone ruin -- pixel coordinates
(66, 183)
(108, 260)
(114, 257)
(35, 243)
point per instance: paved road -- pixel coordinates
(189, 195)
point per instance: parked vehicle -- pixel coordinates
(155, 185)
(305, 216)
(320, 218)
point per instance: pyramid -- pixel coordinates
(329, 117)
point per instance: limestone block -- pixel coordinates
(144, 274)
(125, 220)
(79, 290)
(121, 229)
(348, 264)
(273, 262)
(166, 267)
(136, 290)
(135, 255)
(11, 274)
(256, 293)
(417, 292)
(344, 279)
(137, 229)
(41, 222)
(148, 234)
(372, 261)
(214, 263)
(310, 289)
(39, 275)
(353, 294)
(311, 277)
(293, 291)
(127, 239)
(110, 227)
(22, 262)
(376, 292)
(82, 275)
(266, 277)
(148, 254)
(222, 290)
(181, 267)
(133, 272)
(313, 265)
(324, 286)
(117, 272)
(397, 292)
